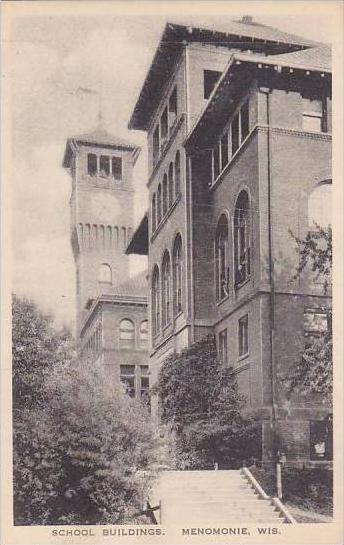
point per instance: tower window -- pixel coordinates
(243, 336)
(105, 274)
(104, 165)
(127, 333)
(92, 164)
(144, 333)
(117, 168)
(209, 81)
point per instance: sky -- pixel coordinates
(51, 57)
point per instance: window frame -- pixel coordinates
(222, 271)
(243, 337)
(166, 289)
(242, 241)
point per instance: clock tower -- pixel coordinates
(101, 167)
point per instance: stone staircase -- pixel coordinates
(221, 497)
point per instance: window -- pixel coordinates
(92, 164)
(224, 150)
(210, 78)
(144, 384)
(243, 336)
(222, 348)
(177, 274)
(123, 237)
(164, 195)
(104, 165)
(235, 134)
(172, 108)
(316, 322)
(312, 116)
(320, 206)
(155, 302)
(216, 159)
(117, 168)
(242, 251)
(159, 205)
(153, 212)
(104, 274)
(144, 333)
(321, 439)
(126, 333)
(177, 174)
(221, 259)
(170, 185)
(166, 289)
(164, 126)
(127, 377)
(156, 145)
(244, 120)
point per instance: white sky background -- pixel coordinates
(52, 57)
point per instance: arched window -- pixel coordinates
(115, 236)
(164, 195)
(95, 236)
(126, 333)
(221, 258)
(101, 236)
(242, 250)
(88, 236)
(144, 333)
(320, 206)
(159, 205)
(153, 212)
(123, 237)
(177, 274)
(177, 174)
(170, 185)
(109, 236)
(166, 289)
(155, 301)
(104, 274)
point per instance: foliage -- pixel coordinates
(200, 401)
(36, 348)
(313, 372)
(81, 451)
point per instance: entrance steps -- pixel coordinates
(214, 496)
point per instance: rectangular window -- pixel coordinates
(312, 114)
(224, 150)
(321, 439)
(235, 134)
(216, 159)
(117, 168)
(104, 165)
(210, 78)
(144, 383)
(91, 164)
(127, 377)
(172, 108)
(244, 120)
(223, 347)
(156, 145)
(243, 336)
(164, 126)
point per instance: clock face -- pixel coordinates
(104, 207)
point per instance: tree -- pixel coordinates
(80, 451)
(36, 348)
(313, 373)
(200, 402)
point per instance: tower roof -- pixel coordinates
(100, 138)
(243, 35)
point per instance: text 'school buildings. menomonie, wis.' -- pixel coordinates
(238, 125)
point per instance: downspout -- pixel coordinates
(188, 209)
(271, 280)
